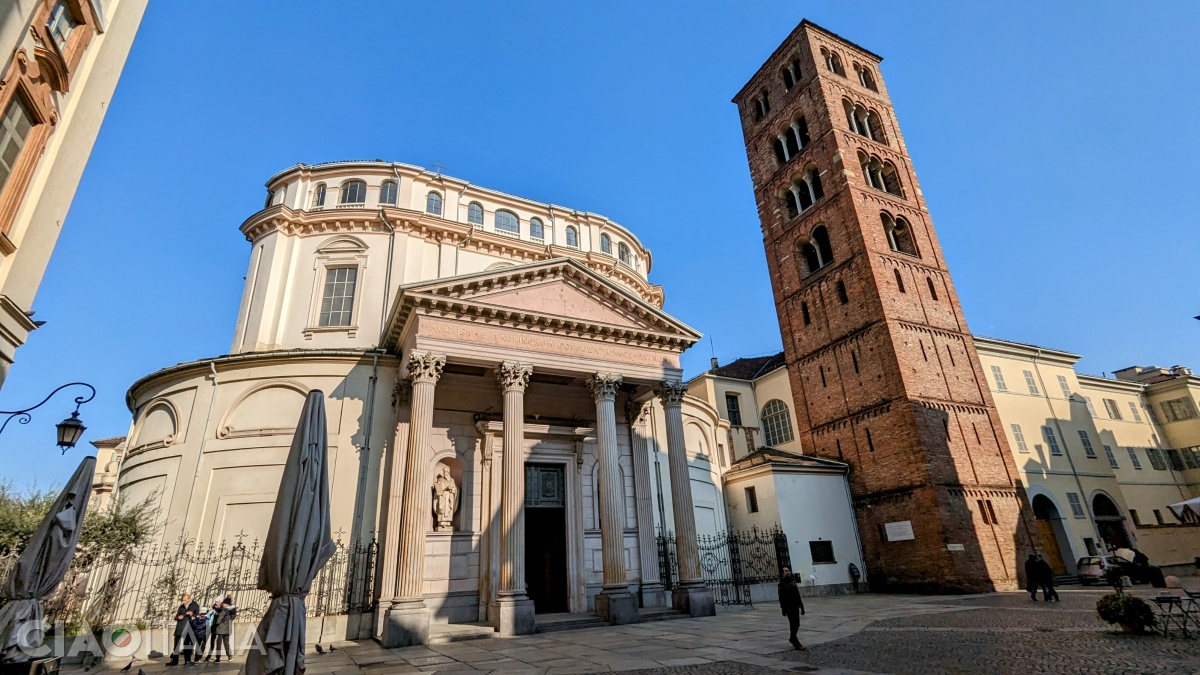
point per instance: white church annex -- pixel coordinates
(505, 405)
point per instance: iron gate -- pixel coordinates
(730, 562)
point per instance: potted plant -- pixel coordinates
(1131, 613)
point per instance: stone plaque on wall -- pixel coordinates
(901, 530)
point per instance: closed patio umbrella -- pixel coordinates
(297, 544)
(42, 565)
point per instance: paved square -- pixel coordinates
(993, 633)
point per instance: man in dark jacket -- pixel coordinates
(792, 605)
(222, 623)
(1031, 575)
(1046, 580)
(185, 638)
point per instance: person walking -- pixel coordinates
(184, 635)
(792, 605)
(219, 631)
(1046, 580)
(1031, 576)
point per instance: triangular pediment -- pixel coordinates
(553, 294)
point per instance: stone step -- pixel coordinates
(1066, 580)
(551, 623)
(442, 633)
(665, 614)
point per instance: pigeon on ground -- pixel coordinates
(332, 648)
(127, 667)
(141, 672)
(320, 649)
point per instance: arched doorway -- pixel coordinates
(1053, 535)
(1109, 522)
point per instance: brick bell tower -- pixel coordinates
(883, 369)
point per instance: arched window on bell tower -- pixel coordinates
(815, 252)
(899, 235)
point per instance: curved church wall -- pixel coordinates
(208, 449)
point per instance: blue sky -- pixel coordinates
(1056, 144)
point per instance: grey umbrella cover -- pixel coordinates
(298, 543)
(42, 565)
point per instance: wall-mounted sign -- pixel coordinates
(899, 530)
(955, 547)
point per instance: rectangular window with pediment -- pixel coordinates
(337, 301)
(61, 23)
(14, 131)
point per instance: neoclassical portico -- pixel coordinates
(529, 384)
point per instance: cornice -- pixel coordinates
(294, 223)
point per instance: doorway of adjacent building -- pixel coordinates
(1109, 522)
(546, 537)
(1052, 535)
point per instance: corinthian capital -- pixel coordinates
(513, 376)
(637, 411)
(425, 367)
(671, 393)
(604, 386)
(402, 394)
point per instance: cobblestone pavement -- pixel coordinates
(992, 633)
(1005, 633)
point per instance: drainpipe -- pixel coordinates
(1087, 503)
(387, 279)
(361, 499)
(212, 367)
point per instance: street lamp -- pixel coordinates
(70, 429)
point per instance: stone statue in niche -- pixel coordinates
(445, 501)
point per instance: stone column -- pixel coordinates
(514, 609)
(615, 603)
(389, 543)
(651, 586)
(408, 618)
(691, 596)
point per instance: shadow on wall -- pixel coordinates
(982, 534)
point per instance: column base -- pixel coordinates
(653, 595)
(617, 607)
(696, 600)
(513, 615)
(407, 624)
(380, 625)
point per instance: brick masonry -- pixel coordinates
(888, 381)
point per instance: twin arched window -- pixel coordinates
(777, 423)
(899, 236)
(433, 204)
(536, 229)
(762, 105)
(816, 252)
(387, 192)
(865, 123)
(606, 244)
(572, 237)
(318, 197)
(803, 192)
(507, 222)
(880, 175)
(865, 78)
(791, 74)
(792, 140)
(833, 62)
(353, 192)
(475, 213)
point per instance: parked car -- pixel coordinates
(1091, 569)
(1138, 573)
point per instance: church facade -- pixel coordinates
(505, 401)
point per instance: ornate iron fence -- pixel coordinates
(730, 562)
(142, 586)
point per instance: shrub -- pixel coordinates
(1126, 610)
